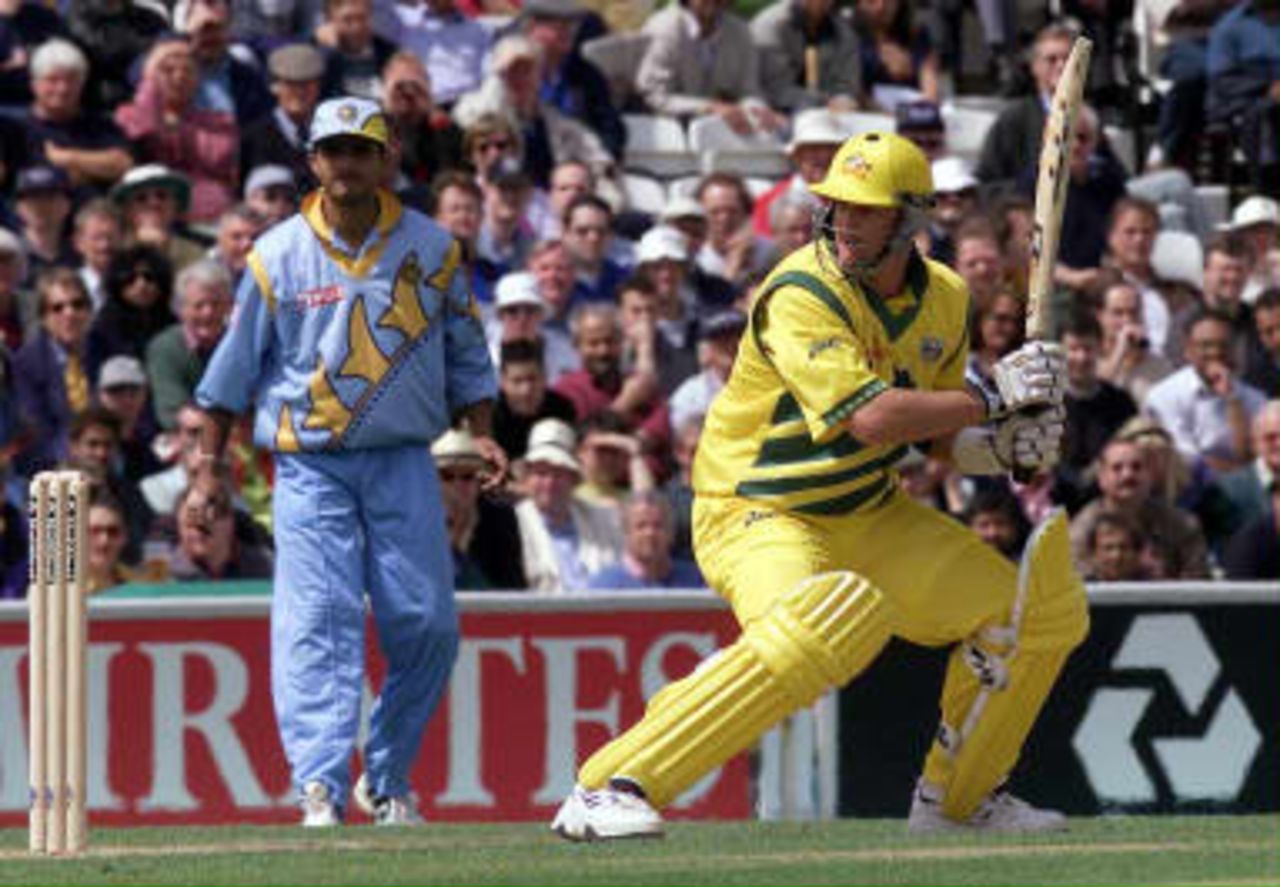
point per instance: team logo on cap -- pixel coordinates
(857, 166)
(347, 113)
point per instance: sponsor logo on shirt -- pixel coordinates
(319, 297)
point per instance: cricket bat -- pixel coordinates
(1051, 193)
(1051, 186)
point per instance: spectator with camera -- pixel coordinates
(1127, 359)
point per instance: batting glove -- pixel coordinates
(1019, 442)
(1034, 375)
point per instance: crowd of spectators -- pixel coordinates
(144, 146)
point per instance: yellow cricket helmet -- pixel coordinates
(877, 169)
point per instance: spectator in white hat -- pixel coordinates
(817, 137)
(955, 194)
(519, 314)
(272, 191)
(483, 534)
(564, 540)
(1178, 260)
(1257, 219)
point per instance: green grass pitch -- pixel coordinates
(1204, 850)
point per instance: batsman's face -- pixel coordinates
(861, 232)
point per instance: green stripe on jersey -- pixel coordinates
(781, 485)
(849, 501)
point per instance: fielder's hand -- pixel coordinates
(1035, 375)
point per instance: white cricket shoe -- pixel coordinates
(605, 814)
(318, 809)
(998, 812)
(386, 811)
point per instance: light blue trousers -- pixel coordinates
(347, 524)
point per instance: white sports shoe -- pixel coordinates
(386, 811)
(998, 812)
(605, 814)
(318, 809)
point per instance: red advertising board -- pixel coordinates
(181, 728)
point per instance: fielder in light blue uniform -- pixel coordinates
(355, 356)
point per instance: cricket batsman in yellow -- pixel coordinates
(855, 351)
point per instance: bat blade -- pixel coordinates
(1051, 185)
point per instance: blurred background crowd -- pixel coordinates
(621, 177)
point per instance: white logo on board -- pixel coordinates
(1212, 766)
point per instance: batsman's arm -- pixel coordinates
(904, 415)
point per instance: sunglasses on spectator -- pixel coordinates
(72, 305)
(144, 274)
(495, 145)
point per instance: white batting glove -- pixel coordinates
(1034, 375)
(1031, 443)
(1019, 442)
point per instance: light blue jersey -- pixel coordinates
(349, 353)
(355, 358)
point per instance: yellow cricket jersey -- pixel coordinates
(816, 349)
